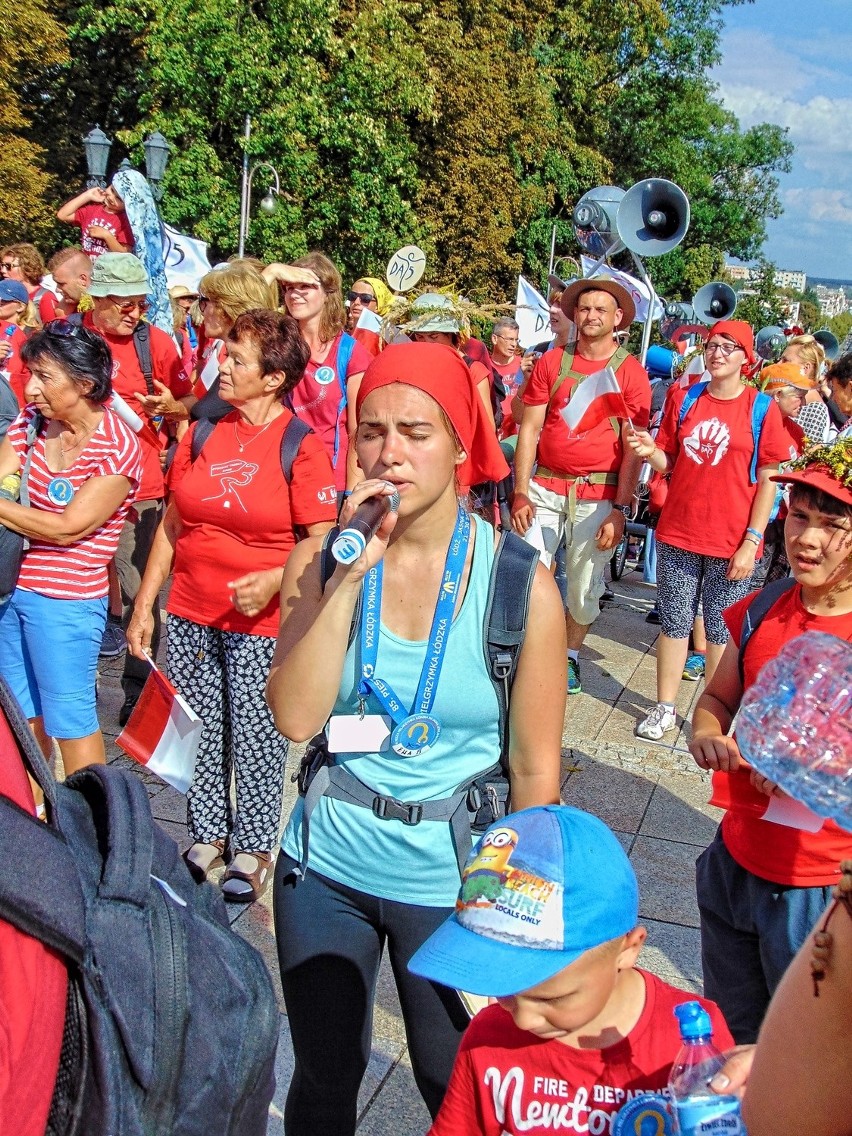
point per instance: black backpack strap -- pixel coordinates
(294, 434)
(142, 343)
(201, 431)
(756, 611)
(512, 575)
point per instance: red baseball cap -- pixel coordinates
(739, 331)
(817, 477)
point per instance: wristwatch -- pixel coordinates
(625, 510)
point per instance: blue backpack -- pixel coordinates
(759, 410)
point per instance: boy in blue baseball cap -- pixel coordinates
(546, 924)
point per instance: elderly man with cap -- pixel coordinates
(147, 375)
(580, 485)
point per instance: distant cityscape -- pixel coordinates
(834, 296)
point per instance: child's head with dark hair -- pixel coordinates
(810, 497)
(840, 370)
(81, 354)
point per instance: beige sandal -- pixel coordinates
(203, 857)
(241, 885)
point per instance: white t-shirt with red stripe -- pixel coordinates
(77, 571)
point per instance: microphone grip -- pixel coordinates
(351, 541)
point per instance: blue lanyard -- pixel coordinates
(441, 624)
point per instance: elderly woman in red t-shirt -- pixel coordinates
(712, 523)
(228, 531)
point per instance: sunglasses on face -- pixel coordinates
(365, 298)
(127, 306)
(8, 267)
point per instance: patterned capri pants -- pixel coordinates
(684, 578)
(222, 675)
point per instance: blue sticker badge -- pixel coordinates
(415, 734)
(60, 491)
(325, 375)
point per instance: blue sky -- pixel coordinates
(787, 61)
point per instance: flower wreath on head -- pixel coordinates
(835, 456)
(404, 316)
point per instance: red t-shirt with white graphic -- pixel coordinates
(776, 852)
(316, 400)
(76, 571)
(116, 223)
(506, 1081)
(238, 514)
(599, 450)
(129, 382)
(13, 365)
(709, 501)
(512, 377)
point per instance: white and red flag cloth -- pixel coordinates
(163, 732)
(368, 331)
(594, 400)
(736, 791)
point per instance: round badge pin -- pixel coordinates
(415, 735)
(60, 491)
(325, 375)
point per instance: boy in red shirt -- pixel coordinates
(546, 924)
(763, 883)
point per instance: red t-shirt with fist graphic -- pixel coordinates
(709, 501)
(237, 515)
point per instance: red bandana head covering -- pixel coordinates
(739, 331)
(440, 372)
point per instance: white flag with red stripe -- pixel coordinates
(594, 400)
(736, 791)
(163, 732)
(368, 331)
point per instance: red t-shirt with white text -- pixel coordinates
(316, 400)
(709, 501)
(508, 1082)
(776, 852)
(512, 377)
(116, 223)
(13, 364)
(238, 514)
(129, 382)
(599, 450)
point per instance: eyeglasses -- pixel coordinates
(127, 306)
(365, 298)
(5, 264)
(506, 339)
(724, 349)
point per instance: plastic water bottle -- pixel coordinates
(795, 723)
(10, 486)
(698, 1111)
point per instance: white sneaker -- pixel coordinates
(657, 723)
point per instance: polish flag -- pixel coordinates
(368, 331)
(163, 732)
(735, 790)
(594, 400)
(695, 372)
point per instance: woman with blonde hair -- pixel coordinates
(325, 396)
(223, 295)
(807, 353)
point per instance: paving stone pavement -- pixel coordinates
(653, 797)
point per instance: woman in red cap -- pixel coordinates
(718, 451)
(412, 720)
(763, 884)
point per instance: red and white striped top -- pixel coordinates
(77, 571)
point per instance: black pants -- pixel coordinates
(330, 940)
(131, 557)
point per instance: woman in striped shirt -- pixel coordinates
(81, 466)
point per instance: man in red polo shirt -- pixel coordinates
(580, 485)
(118, 289)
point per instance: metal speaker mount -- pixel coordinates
(715, 301)
(595, 219)
(674, 316)
(653, 217)
(829, 342)
(769, 343)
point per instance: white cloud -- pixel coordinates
(820, 205)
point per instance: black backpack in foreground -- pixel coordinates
(171, 1022)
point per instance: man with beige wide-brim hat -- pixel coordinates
(579, 486)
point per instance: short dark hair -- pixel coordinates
(840, 370)
(82, 354)
(277, 339)
(810, 497)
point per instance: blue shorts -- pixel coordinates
(49, 658)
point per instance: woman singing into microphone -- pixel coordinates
(412, 715)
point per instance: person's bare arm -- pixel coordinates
(710, 745)
(523, 510)
(67, 211)
(354, 473)
(92, 505)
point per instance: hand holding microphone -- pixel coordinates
(352, 541)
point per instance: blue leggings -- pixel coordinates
(330, 940)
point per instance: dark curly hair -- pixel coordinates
(841, 370)
(82, 354)
(277, 339)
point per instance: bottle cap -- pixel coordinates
(694, 1021)
(348, 546)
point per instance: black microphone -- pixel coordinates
(351, 541)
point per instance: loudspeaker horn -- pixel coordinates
(595, 219)
(674, 316)
(829, 342)
(653, 217)
(715, 301)
(769, 343)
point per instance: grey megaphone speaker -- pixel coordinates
(769, 343)
(653, 217)
(594, 219)
(675, 316)
(829, 342)
(715, 301)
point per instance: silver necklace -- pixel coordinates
(254, 437)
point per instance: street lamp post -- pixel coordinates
(157, 151)
(268, 202)
(97, 147)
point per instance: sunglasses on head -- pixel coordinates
(365, 298)
(62, 328)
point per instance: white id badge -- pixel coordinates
(350, 733)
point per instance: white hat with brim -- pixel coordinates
(600, 284)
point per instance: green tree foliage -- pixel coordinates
(468, 126)
(841, 326)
